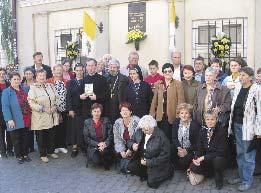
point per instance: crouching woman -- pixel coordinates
(98, 138)
(212, 150)
(151, 148)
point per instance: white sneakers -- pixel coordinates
(45, 159)
(63, 150)
(54, 156)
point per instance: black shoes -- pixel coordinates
(219, 180)
(219, 186)
(143, 178)
(3, 155)
(10, 153)
(74, 153)
(20, 160)
(27, 159)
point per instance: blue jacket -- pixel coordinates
(11, 109)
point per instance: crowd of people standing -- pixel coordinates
(189, 117)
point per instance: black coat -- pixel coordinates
(157, 154)
(118, 91)
(193, 135)
(218, 145)
(73, 101)
(48, 70)
(140, 106)
(90, 137)
(100, 89)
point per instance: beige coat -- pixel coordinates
(175, 96)
(42, 95)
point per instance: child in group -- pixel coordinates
(154, 75)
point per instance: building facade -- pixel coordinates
(47, 25)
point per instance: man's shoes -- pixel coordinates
(54, 156)
(244, 187)
(3, 155)
(219, 186)
(143, 178)
(45, 159)
(10, 153)
(20, 160)
(74, 153)
(63, 150)
(234, 181)
(27, 159)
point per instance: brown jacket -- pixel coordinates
(42, 96)
(190, 90)
(221, 98)
(175, 96)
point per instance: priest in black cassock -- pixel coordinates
(95, 88)
(117, 84)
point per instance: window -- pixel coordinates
(86, 45)
(235, 31)
(205, 33)
(64, 39)
(204, 30)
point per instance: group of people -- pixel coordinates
(190, 117)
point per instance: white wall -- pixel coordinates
(155, 46)
(210, 9)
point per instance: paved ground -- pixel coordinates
(67, 175)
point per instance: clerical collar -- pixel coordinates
(37, 68)
(91, 74)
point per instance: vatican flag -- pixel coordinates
(89, 26)
(172, 12)
(172, 29)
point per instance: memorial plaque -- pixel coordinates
(137, 16)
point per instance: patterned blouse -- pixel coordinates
(183, 135)
(60, 88)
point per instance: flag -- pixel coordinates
(89, 26)
(172, 12)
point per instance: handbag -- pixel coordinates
(194, 178)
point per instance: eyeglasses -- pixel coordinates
(167, 71)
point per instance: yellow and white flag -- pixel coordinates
(172, 29)
(172, 12)
(89, 26)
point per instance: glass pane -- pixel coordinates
(205, 33)
(235, 32)
(64, 39)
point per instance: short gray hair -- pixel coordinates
(211, 70)
(211, 113)
(114, 61)
(147, 121)
(175, 51)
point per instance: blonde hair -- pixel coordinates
(185, 106)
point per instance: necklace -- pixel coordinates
(113, 87)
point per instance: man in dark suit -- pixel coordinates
(38, 59)
(100, 92)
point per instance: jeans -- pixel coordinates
(246, 161)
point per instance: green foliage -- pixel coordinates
(7, 29)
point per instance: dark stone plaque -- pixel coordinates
(137, 16)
